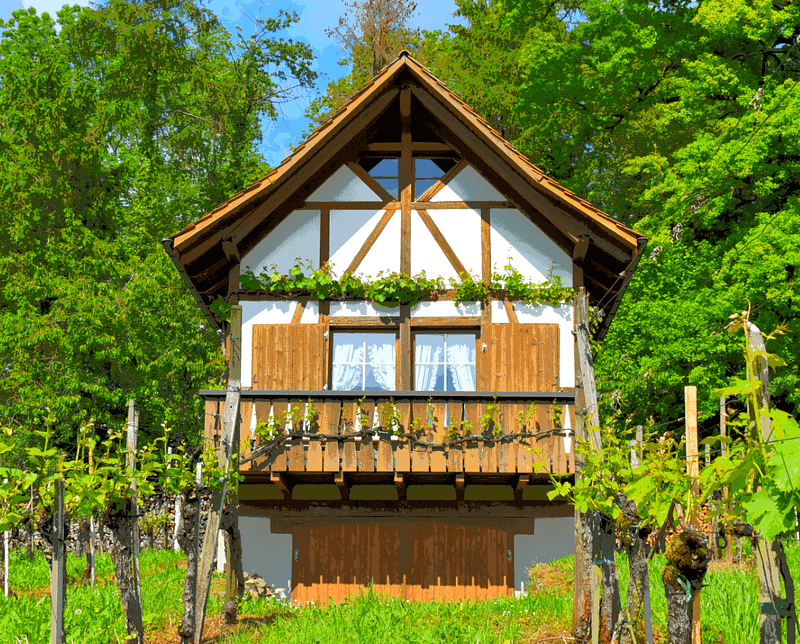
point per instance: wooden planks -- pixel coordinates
(288, 356)
(420, 560)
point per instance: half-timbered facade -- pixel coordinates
(408, 442)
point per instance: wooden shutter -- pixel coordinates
(288, 357)
(519, 357)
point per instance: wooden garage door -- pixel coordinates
(421, 561)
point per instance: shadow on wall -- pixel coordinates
(266, 554)
(552, 539)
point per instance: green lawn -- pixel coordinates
(93, 615)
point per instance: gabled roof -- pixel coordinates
(207, 249)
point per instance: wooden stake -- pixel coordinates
(767, 554)
(693, 470)
(58, 574)
(133, 431)
(230, 432)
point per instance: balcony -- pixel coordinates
(431, 435)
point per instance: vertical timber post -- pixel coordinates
(133, 430)
(594, 612)
(58, 575)
(768, 555)
(693, 470)
(230, 430)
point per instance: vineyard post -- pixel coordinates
(230, 427)
(5, 557)
(58, 575)
(693, 470)
(636, 448)
(723, 431)
(594, 545)
(133, 430)
(771, 607)
(178, 518)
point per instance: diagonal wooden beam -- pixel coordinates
(446, 248)
(367, 178)
(431, 192)
(280, 480)
(362, 253)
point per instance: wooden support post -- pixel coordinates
(342, 485)
(522, 483)
(228, 449)
(133, 431)
(400, 485)
(767, 554)
(233, 557)
(693, 470)
(58, 573)
(460, 484)
(281, 481)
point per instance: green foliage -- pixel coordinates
(393, 289)
(122, 125)
(681, 120)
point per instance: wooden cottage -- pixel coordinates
(404, 445)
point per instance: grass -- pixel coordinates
(94, 616)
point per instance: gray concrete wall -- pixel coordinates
(552, 538)
(264, 553)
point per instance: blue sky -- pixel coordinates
(315, 17)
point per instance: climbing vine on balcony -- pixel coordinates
(393, 289)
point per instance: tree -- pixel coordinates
(370, 34)
(127, 124)
(679, 119)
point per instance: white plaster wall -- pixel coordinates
(531, 252)
(445, 308)
(561, 315)
(296, 237)
(384, 256)
(310, 313)
(462, 230)
(349, 231)
(468, 185)
(426, 254)
(499, 315)
(552, 538)
(264, 553)
(263, 312)
(344, 185)
(362, 309)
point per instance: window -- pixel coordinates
(427, 172)
(364, 361)
(444, 361)
(367, 361)
(385, 171)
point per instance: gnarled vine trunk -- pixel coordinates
(234, 554)
(189, 540)
(119, 520)
(688, 555)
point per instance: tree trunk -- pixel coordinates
(582, 607)
(688, 555)
(120, 522)
(189, 540)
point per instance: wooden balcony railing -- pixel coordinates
(401, 431)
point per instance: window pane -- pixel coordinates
(391, 185)
(363, 361)
(380, 377)
(427, 168)
(429, 377)
(386, 168)
(421, 185)
(461, 377)
(461, 348)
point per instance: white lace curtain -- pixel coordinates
(449, 355)
(364, 361)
